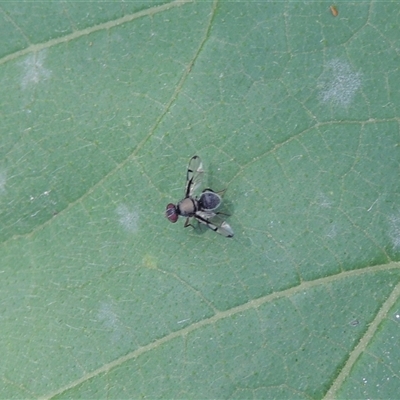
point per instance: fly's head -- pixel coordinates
(171, 213)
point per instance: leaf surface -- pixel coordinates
(294, 111)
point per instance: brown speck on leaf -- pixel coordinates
(334, 11)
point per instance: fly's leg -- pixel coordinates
(221, 213)
(220, 193)
(187, 223)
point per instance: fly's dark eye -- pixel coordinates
(171, 213)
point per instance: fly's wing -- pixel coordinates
(215, 223)
(194, 175)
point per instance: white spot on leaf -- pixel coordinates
(339, 83)
(394, 221)
(128, 219)
(332, 231)
(323, 200)
(110, 321)
(3, 179)
(33, 69)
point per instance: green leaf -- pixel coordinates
(294, 111)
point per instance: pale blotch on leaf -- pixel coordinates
(338, 83)
(394, 221)
(128, 219)
(3, 179)
(110, 321)
(150, 261)
(323, 201)
(34, 70)
(332, 231)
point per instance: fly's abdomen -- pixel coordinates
(209, 200)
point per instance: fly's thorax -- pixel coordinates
(187, 207)
(209, 200)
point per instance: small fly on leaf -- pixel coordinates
(202, 208)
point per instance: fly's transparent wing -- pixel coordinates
(194, 175)
(214, 222)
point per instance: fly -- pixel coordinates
(203, 208)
